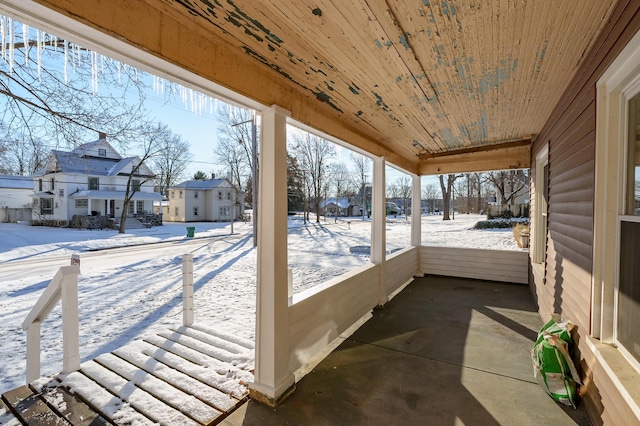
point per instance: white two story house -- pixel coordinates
(91, 180)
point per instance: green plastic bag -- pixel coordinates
(553, 367)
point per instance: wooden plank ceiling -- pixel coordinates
(425, 78)
(425, 82)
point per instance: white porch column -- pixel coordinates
(273, 380)
(416, 212)
(378, 224)
(88, 206)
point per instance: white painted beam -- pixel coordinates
(378, 224)
(273, 381)
(416, 211)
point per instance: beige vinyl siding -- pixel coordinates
(570, 133)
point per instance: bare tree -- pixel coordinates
(19, 155)
(234, 145)
(508, 184)
(403, 184)
(341, 182)
(362, 166)
(313, 154)
(51, 92)
(446, 189)
(150, 142)
(172, 159)
(430, 193)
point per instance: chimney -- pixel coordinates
(102, 136)
(213, 175)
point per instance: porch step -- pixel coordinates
(185, 376)
(56, 406)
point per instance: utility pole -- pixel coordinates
(254, 174)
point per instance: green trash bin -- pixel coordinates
(190, 231)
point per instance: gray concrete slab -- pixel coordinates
(444, 351)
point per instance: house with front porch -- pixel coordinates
(91, 180)
(433, 88)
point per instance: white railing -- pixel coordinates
(187, 290)
(63, 286)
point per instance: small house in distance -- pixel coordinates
(211, 200)
(15, 198)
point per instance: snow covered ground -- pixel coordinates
(136, 289)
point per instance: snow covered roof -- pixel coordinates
(342, 203)
(116, 195)
(16, 182)
(201, 185)
(72, 163)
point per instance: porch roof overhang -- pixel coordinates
(433, 86)
(116, 195)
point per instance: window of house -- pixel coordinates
(140, 206)
(195, 211)
(82, 203)
(102, 152)
(53, 184)
(61, 192)
(46, 205)
(541, 206)
(130, 206)
(224, 211)
(180, 194)
(135, 184)
(228, 195)
(39, 184)
(219, 195)
(173, 194)
(94, 183)
(616, 241)
(195, 194)
(177, 211)
(628, 301)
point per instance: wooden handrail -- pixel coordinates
(63, 286)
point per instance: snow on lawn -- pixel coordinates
(123, 300)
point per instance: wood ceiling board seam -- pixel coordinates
(412, 65)
(400, 148)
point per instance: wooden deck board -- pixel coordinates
(164, 391)
(6, 416)
(189, 377)
(206, 393)
(71, 407)
(31, 409)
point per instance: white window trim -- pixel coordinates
(621, 79)
(539, 240)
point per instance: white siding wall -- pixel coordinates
(496, 265)
(400, 267)
(318, 319)
(319, 315)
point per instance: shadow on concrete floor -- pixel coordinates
(445, 351)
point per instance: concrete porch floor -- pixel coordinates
(445, 351)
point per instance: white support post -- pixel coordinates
(33, 352)
(187, 289)
(416, 212)
(378, 225)
(273, 380)
(70, 321)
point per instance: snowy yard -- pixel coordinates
(130, 292)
